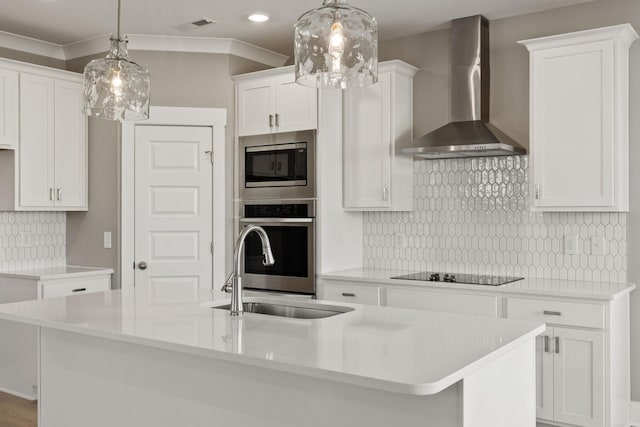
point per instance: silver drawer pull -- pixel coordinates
(552, 313)
(546, 343)
(348, 294)
(79, 290)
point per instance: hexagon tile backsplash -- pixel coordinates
(32, 240)
(472, 216)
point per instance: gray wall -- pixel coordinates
(510, 97)
(178, 80)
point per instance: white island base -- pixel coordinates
(92, 381)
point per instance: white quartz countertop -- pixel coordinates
(56, 272)
(531, 286)
(404, 351)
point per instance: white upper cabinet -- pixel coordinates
(273, 103)
(579, 120)
(376, 118)
(47, 170)
(8, 109)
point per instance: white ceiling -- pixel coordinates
(66, 21)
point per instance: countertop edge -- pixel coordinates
(416, 389)
(90, 271)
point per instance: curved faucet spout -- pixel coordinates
(236, 281)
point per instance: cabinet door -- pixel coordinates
(8, 109)
(296, 105)
(70, 146)
(544, 375)
(256, 107)
(36, 151)
(572, 100)
(579, 377)
(479, 305)
(367, 145)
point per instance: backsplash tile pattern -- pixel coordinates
(472, 216)
(32, 240)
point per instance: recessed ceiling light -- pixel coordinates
(258, 17)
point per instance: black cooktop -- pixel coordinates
(470, 279)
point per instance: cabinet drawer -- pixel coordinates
(557, 312)
(80, 285)
(359, 294)
(478, 305)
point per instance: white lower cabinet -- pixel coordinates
(19, 349)
(570, 361)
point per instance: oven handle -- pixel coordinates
(276, 220)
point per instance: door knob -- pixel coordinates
(142, 265)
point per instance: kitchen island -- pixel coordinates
(130, 358)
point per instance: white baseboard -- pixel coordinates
(634, 414)
(17, 394)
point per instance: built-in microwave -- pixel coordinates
(278, 166)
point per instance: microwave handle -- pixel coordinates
(259, 221)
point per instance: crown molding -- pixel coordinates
(32, 46)
(100, 44)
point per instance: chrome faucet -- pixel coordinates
(236, 280)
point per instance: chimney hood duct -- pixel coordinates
(469, 134)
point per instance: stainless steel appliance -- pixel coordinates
(290, 227)
(469, 134)
(278, 166)
(470, 279)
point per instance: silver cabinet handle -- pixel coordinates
(270, 120)
(546, 343)
(552, 313)
(59, 194)
(557, 346)
(277, 119)
(385, 194)
(348, 294)
(142, 265)
(51, 194)
(537, 191)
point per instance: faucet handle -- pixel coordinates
(226, 288)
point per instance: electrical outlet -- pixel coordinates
(400, 241)
(571, 245)
(107, 240)
(24, 240)
(598, 245)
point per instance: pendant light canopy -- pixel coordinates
(116, 88)
(336, 46)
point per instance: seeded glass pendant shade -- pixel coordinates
(336, 46)
(116, 88)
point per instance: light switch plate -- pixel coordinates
(107, 240)
(571, 245)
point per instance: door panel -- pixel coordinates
(579, 376)
(36, 141)
(70, 146)
(173, 206)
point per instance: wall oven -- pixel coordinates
(278, 166)
(290, 226)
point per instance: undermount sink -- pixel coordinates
(296, 310)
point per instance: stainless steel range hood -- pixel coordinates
(469, 134)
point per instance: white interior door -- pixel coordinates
(173, 208)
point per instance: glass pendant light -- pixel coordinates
(336, 46)
(116, 88)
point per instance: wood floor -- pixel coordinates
(16, 412)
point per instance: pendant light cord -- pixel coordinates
(119, 14)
